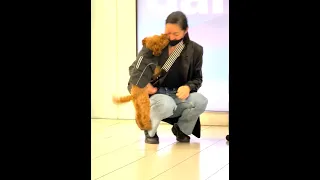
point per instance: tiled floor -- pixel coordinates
(119, 152)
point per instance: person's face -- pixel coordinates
(174, 32)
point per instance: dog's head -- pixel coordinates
(156, 43)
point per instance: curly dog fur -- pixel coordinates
(139, 96)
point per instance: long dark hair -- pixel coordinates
(179, 18)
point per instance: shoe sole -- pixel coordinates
(151, 142)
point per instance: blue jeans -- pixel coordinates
(165, 104)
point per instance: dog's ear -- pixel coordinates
(154, 47)
(163, 36)
(157, 70)
(144, 41)
(149, 43)
(156, 50)
(164, 41)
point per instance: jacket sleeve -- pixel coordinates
(196, 81)
(141, 70)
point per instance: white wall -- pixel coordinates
(113, 48)
(126, 52)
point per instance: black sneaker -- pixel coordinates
(180, 136)
(151, 140)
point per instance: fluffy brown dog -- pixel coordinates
(156, 43)
(139, 96)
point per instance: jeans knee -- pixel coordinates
(204, 102)
(200, 101)
(162, 105)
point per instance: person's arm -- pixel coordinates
(196, 81)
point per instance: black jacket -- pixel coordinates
(142, 70)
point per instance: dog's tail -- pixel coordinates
(122, 99)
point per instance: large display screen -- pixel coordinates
(208, 26)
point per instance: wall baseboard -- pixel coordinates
(207, 119)
(211, 118)
(215, 118)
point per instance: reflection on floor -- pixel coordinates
(119, 152)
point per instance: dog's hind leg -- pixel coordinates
(138, 114)
(144, 102)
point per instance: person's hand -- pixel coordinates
(183, 92)
(151, 89)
